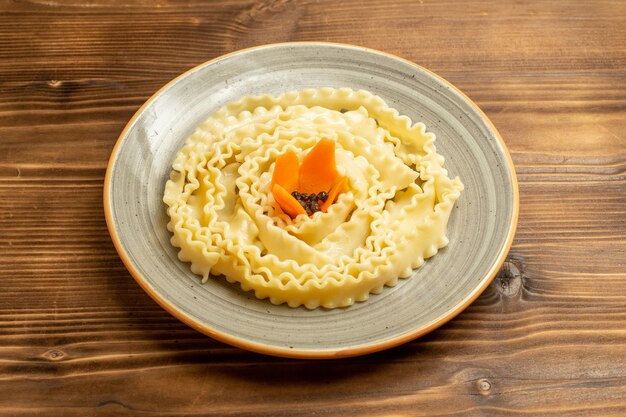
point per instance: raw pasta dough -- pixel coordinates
(225, 221)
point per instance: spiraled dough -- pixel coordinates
(225, 221)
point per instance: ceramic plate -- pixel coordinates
(480, 229)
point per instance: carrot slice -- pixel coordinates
(286, 171)
(333, 193)
(287, 202)
(318, 171)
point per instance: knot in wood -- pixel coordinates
(55, 83)
(54, 355)
(484, 386)
(509, 279)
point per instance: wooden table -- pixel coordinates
(78, 335)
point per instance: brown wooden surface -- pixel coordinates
(79, 337)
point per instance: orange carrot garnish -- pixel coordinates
(286, 171)
(287, 202)
(318, 171)
(296, 186)
(333, 193)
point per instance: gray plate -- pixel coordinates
(480, 230)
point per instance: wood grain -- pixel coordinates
(79, 337)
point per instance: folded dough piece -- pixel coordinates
(225, 221)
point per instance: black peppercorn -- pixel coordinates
(310, 202)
